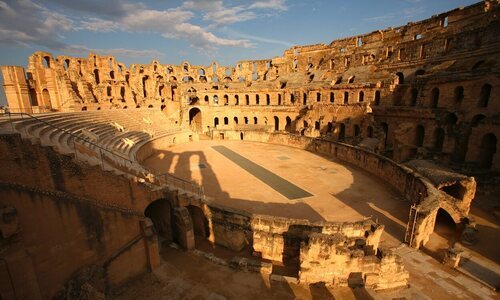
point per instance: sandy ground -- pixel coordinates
(340, 192)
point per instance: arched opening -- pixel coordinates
(276, 123)
(292, 98)
(247, 100)
(195, 119)
(444, 236)
(163, 107)
(413, 97)
(329, 128)
(346, 97)
(288, 125)
(401, 78)
(255, 120)
(487, 150)
(257, 100)
(160, 212)
(108, 91)
(361, 96)
(369, 131)
(66, 64)
(216, 122)
(458, 95)
(332, 97)
(385, 129)
(376, 98)
(200, 224)
(122, 92)
(304, 99)
(241, 136)
(268, 99)
(226, 100)
(279, 99)
(46, 62)
(434, 98)
(144, 86)
(439, 135)
(357, 131)
(96, 76)
(236, 100)
(341, 136)
(450, 119)
(46, 97)
(484, 97)
(84, 108)
(112, 74)
(318, 97)
(226, 121)
(245, 120)
(477, 119)
(317, 125)
(216, 99)
(419, 136)
(235, 119)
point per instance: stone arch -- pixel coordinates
(434, 97)
(332, 97)
(341, 136)
(160, 213)
(484, 96)
(195, 120)
(487, 150)
(419, 136)
(376, 98)
(477, 119)
(288, 125)
(369, 131)
(357, 130)
(458, 95)
(46, 97)
(200, 222)
(226, 121)
(361, 96)
(216, 122)
(400, 78)
(439, 136)
(276, 123)
(255, 120)
(235, 119)
(96, 76)
(346, 97)
(413, 97)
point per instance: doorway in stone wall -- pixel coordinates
(160, 213)
(195, 119)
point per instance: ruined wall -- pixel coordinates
(70, 216)
(430, 84)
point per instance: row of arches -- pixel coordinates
(435, 97)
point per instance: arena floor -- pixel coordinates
(338, 192)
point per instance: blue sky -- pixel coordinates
(198, 30)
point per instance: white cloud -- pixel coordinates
(270, 4)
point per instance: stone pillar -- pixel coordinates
(183, 228)
(16, 89)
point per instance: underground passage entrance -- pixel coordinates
(160, 212)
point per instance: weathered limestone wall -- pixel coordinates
(76, 216)
(325, 258)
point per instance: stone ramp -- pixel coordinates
(279, 184)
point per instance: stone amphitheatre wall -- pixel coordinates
(430, 85)
(413, 186)
(64, 216)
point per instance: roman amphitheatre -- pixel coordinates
(366, 168)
